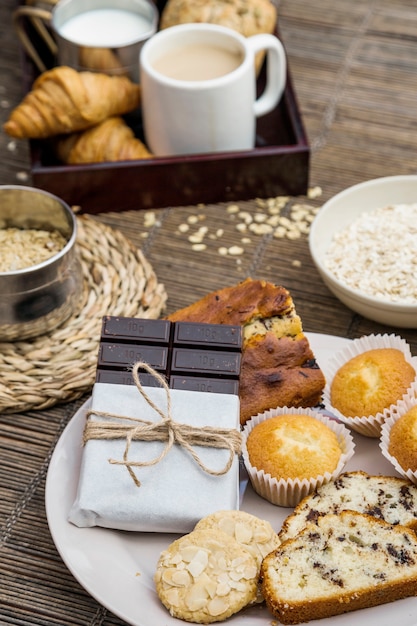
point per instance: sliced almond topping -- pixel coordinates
(223, 588)
(196, 598)
(261, 535)
(222, 563)
(176, 578)
(198, 564)
(181, 578)
(217, 606)
(227, 525)
(210, 585)
(173, 597)
(187, 553)
(238, 585)
(238, 561)
(175, 559)
(243, 532)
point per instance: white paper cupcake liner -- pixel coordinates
(289, 492)
(400, 409)
(369, 426)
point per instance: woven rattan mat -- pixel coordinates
(60, 366)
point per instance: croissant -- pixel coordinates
(101, 60)
(63, 100)
(111, 140)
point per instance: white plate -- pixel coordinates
(117, 567)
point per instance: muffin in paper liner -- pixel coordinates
(369, 426)
(402, 407)
(289, 492)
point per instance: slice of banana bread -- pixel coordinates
(346, 562)
(386, 497)
(278, 366)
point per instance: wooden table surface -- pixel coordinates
(354, 68)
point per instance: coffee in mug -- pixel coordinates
(199, 88)
(198, 62)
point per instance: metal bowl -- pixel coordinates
(38, 298)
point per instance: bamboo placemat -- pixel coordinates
(60, 366)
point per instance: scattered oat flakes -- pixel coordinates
(259, 217)
(22, 176)
(285, 221)
(314, 192)
(293, 234)
(235, 250)
(274, 216)
(260, 229)
(149, 219)
(273, 220)
(304, 228)
(279, 232)
(296, 263)
(246, 217)
(196, 238)
(198, 247)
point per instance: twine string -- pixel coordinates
(167, 430)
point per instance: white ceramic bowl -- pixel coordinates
(335, 215)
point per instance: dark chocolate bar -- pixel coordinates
(126, 354)
(205, 361)
(190, 355)
(224, 336)
(130, 328)
(207, 385)
(124, 377)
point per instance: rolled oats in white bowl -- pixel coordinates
(364, 244)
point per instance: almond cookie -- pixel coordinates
(206, 576)
(254, 534)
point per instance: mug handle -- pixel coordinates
(276, 71)
(38, 17)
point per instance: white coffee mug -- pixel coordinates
(185, 110)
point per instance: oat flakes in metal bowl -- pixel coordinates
(40, 272)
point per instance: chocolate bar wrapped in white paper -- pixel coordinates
(179, 489)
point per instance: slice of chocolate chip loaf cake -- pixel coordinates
(390, 498)
(346, 562)
(278, 365)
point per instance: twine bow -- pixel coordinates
(167, 430)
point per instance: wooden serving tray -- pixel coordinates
(278, 165)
